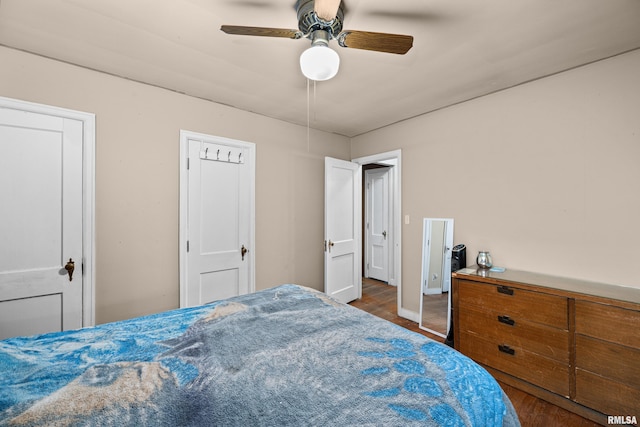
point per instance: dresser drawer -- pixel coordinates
(539, 370)
(502, 327)
(613, 324)
(607, 396)
(616, 362)
(537, 307)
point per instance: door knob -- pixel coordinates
(243, 251)
(384, 234)
(70, 266)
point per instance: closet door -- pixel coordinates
(218, 219)
(41, 163)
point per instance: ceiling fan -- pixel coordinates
(321, 21)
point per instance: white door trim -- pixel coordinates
(394, 158)
(88, 194)
(185, 136)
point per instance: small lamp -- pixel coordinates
(319, 62)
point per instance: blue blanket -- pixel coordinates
(282, 356)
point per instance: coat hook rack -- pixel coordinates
(234, 154)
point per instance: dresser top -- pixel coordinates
(617, 292)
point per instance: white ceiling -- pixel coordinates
(462, 49)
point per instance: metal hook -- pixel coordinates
(240, 158)
(206, 155)
(218, 155)
(229, 157)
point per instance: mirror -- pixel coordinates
(435, 299)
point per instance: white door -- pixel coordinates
(41, 226)
(217, 218)
(377, 223)
(342, 229)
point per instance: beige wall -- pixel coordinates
(545, 176)
(137, 171)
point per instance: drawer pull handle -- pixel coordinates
(506, 320)
(506, 349)
(505, 290)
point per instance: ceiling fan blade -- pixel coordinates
(379, 42)
(261, 31)
(326, 9)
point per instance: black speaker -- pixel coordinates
(458, 257)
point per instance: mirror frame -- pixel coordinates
(447, 249)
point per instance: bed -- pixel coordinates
(282, 356)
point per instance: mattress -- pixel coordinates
(287, 355)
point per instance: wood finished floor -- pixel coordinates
(380, 300)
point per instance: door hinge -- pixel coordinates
(187, 246)
(188, 163)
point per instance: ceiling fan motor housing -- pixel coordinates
(308, 21)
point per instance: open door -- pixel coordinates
(342, 229)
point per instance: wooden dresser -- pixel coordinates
(573, 343)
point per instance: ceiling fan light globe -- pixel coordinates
(319, 63)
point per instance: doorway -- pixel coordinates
(392, 161)
(375, 223)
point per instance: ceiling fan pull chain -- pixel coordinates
(308, 123)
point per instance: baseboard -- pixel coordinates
(408, 314)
